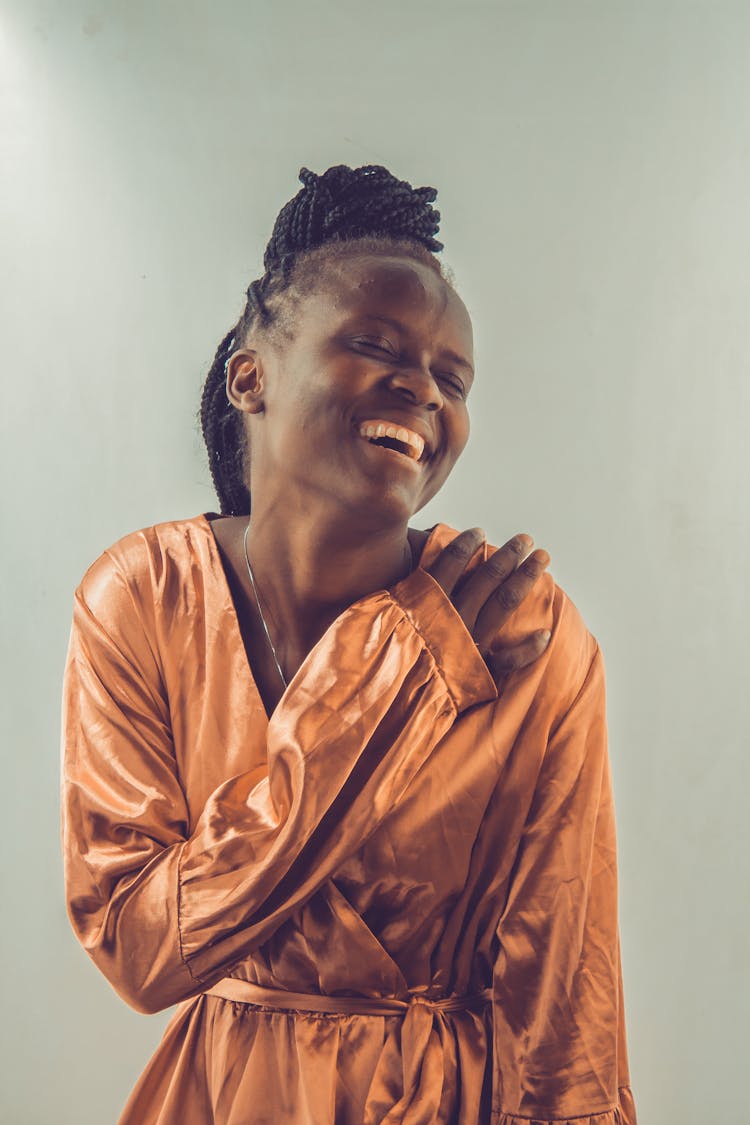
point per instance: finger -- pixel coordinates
(505, 660)
(452, 560)
(505, 600)
(486, 578)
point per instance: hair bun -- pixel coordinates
(345, 203)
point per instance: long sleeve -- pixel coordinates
(559, 1026)
(165, 909)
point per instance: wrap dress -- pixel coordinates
(393, 901)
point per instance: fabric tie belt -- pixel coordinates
(246, 992)
(407, 1084)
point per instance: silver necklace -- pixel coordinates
(260, 609)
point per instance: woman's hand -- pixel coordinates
(488, 596)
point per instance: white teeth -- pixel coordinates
(400, 433)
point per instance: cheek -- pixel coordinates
(300, 400)
(461, 428)
(327, 385)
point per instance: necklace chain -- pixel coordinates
(260, 609)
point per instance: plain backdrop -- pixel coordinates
(593, 167)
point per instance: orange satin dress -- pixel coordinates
(394, 901)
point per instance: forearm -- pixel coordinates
(359, 720)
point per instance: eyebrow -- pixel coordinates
(401, 327)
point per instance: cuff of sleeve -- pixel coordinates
(621, 1114)
(443, 632)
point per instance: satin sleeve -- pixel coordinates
(165, 910)
(559, 1023)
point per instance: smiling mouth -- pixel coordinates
(397, 439)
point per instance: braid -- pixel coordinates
(222, 433)
(365, 206)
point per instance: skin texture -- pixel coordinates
(330, 511)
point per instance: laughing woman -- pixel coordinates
(336, 786)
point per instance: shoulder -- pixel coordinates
(572, 648)
(145, 564)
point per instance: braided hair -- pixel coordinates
(344, 210)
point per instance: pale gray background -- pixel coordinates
(593, 163)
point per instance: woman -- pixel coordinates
(329, 783)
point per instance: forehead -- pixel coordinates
(399, 287)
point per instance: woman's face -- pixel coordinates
(380, 341)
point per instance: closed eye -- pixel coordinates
(455, 384)
(378, 346)
(382, 346)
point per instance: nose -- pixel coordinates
(418, 386)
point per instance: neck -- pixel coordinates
(308, 573)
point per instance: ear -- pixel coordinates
(245, 381)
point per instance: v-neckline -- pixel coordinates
(229, 607)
